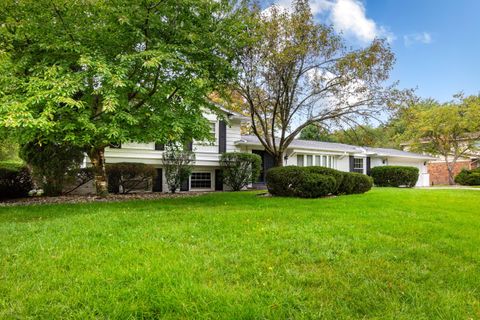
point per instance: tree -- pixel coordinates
(450, 130)
(53, 164)
(316, 132)
(296, 72)
(240, 169)
(90, 73)
(178, 165)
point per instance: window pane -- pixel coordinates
(358, 165)
(309, 160)
(300, 160)
(318, 161)
(212, 127)
(324, 161)
(201, 180)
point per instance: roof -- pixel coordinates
(337, 147)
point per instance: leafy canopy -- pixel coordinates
(92, 72)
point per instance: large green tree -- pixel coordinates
(450, 130)
(296, 72)
(90, 73)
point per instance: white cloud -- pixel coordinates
(347, 16)
(350, 17)
(422, 37)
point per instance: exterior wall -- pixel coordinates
(439, 173)
(206, 153)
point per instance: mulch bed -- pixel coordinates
(93, 198)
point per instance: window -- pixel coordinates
(213, 129)
(358, 165)
(300, 160)
(318, 161)
(201, 180)
(309, 160)
(324, 161)
(159, 146)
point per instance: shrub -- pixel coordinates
(468, 177)
(178, 166)
(239, 169)
(54, 165)
(125, 177)
(292, 181)
(353, 182)
(337, 175)
(15, 182)
(394, 176)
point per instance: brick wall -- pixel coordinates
(439, 173)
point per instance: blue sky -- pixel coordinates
(436, 42)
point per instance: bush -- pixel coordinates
(239, 169)
(15, 182)
(54, 165)
(125, 177)
(468, 177)
(394, 176)
(292, 181)
(353, 183)
(337, 175)
(178, 165)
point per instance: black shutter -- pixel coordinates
(185, 186)
(158, 181)
(352, 161)
(222, 137)
(368, 165)
(190, 146)
(159, 146)
(218, 180)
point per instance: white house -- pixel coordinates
(207, 172)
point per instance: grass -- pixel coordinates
(389, 254)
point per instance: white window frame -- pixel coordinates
(309, 160)
(302, 162)
(355, 167)
(201, 188)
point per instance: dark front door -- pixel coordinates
(158, 181)
(218, 180)
(267, 163)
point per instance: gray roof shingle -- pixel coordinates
(338, 147)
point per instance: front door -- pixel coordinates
(267, 163)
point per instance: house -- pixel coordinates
(437, 167)
(438, 172)
(206, 175)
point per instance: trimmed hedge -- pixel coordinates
(354, 183)
(15, 182)
(468, 177)
(314, 182)
(292, 181)
(337, 175)
(394, 176)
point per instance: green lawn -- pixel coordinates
(389, 254)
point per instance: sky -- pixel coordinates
(436, 42)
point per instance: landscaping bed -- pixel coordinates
(94, 198)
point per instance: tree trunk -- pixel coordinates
(450, 168)
(97, 158)
(278, 160)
